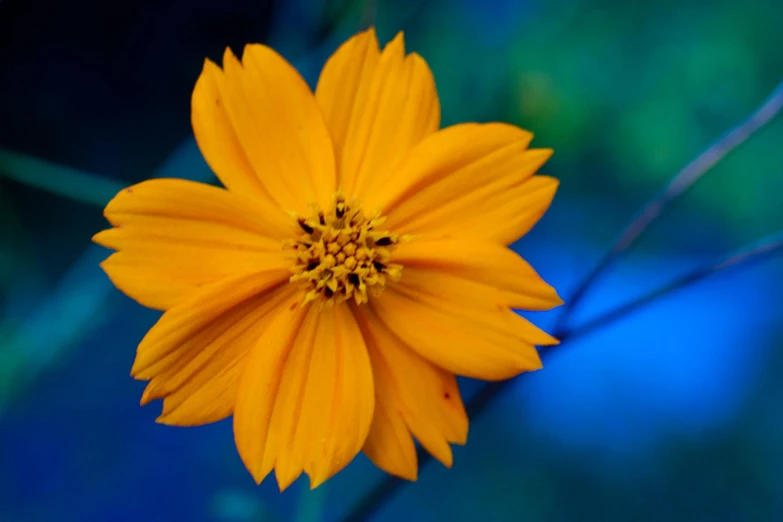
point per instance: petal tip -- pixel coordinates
(397, 45)
(229, 58)
(553, 301)
(548, 183)
(447, 459)
(370, 32)
(411, 475)
(369, 38)
(537, 365)
(209, 66)
(258, 474)
(284, 480)
(99, 239)
(166, 419)
(250, 48)
(147, 397)
(137, 369)
(317, 480)
(545, 153)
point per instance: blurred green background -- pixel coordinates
(670, 414)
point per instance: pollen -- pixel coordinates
(341, 254)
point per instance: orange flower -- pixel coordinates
(355, 262)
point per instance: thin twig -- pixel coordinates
(746, 256)
(685, 179)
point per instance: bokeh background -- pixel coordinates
(672, 413)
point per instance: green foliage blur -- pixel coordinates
(625, 92)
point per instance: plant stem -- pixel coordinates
(745, 257)
(58, 179)
(684, 180)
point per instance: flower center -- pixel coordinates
(341, 254)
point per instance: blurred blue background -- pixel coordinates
(673, 413)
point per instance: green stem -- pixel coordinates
(58, 179)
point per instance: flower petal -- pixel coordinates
(280, 128)
(389, 444)
(387, 108)
(320, 407)
(515, 212)
(288, 413)
(487, 303)
(201, 359)
(259, 387)
(463, 178)
(344, 85)
(483, 262)
(218, 141)
(190, 200)
(206, 398)
(426, 397)
(194, 328)
(475, 340)
(175, 236)
(339, 404)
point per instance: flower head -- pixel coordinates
(355, 262)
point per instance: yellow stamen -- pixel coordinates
(341, 255)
